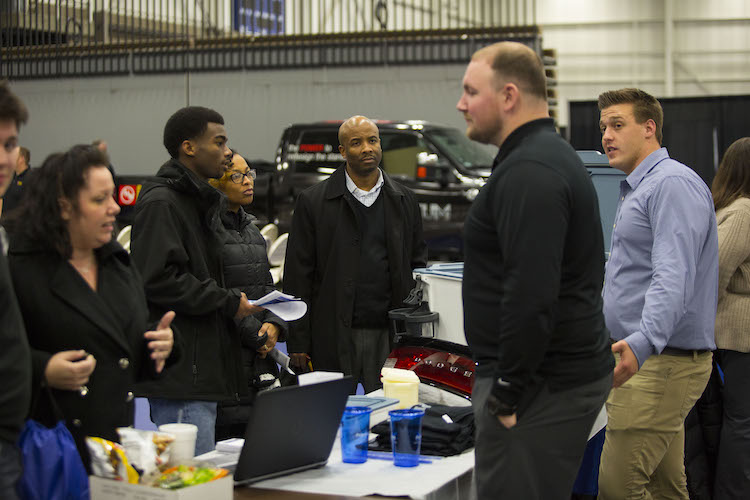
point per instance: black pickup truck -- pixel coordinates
(442, 166)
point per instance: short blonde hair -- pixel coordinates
(517, 63)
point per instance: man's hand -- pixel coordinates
(300, 362)
(508, 420)
(69, 370)
(627, 366)
(161, 341)
(273, 336)
(246, 309)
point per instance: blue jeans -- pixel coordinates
(199, 413)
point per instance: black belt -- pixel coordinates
(673, 351)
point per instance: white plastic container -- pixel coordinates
(402, 385)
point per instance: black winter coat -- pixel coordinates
(176, 243)
(61, 312)
(246, 267)
(15, 358)
(322, 262)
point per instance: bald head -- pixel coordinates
(355, 122)
(359, 145)
(516, 63)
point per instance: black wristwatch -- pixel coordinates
(495, 405)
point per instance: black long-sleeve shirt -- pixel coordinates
(535, 267)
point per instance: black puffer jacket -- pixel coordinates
(246, 268)
(176, 244)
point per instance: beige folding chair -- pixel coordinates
(123, 237)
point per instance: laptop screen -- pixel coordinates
(291, 429)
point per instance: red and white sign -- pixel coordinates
(127, 195)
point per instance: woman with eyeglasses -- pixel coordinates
(246, 267)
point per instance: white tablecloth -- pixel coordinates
(444, 478)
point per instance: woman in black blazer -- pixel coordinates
(82, 301)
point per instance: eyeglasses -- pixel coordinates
(238, 177)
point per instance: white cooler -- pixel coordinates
(442, 291)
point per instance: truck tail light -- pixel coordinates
(453, 372)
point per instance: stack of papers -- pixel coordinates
(380, 405)
(374, 403)
(286, 307)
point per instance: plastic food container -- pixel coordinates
(402, 385)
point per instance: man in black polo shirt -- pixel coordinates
(354, 241)
(532, 286)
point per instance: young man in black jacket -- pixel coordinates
(176, 244)
(15, 358)
(534, 267)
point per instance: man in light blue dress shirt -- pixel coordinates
(660, 296)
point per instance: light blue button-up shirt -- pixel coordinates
(661, 281)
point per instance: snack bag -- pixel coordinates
(109, 460)
(146, 450)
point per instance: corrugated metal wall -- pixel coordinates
(599, 44)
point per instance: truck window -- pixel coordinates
(400, 150)
(463, 151)
(316, 151)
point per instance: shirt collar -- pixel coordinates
(515, 137)
(352, 188)
(646, 166)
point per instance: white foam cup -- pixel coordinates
(182, 449)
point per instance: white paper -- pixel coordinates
(286, 307)
(600, 422)
(316, 377)
(282, 359)
(232, 445)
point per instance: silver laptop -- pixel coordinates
(291, 429)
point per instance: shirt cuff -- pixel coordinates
(640, 346)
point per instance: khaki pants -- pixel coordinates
(643, 455)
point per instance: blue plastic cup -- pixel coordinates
(406, 436)
(355, 429)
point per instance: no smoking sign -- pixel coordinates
(128, 194)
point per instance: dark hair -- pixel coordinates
(645, 106)
(62, 175)
(732, 180)
(188, 123)
(517, 63)
(26, 155)
(11, 107)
